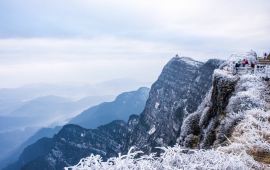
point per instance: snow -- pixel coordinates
(156, 105)
(252, 133)
(225, 74)
(191, 61)
(197, 79)
(57, 153)
(248, 94)
(251, 56)
(152, 130)
(173, 158)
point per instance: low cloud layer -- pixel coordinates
(92, 41)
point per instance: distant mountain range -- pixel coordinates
(30, 116)
(14, 154)
(75, 142)
(121, 108)
(12, 98)
(44, 111)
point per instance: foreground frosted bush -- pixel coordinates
(172, 158)
(252, 135)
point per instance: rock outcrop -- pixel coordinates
(178, 91)
(225, 105)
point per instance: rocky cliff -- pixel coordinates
(178, 91)
(230, 97)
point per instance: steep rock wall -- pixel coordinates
(225, 105)
(178, 91)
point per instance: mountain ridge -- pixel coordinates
(124, 105)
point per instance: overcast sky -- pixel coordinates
(87, 41)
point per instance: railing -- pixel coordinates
(244, 70)
(262, 71)
(264, 61)
(259, 70)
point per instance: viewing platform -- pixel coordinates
(248, 63)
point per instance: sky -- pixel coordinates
(87, 41)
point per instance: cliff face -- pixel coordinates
(201, 128)
(223, 108)
(178, 91)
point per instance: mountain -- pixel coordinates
(72, 143)
(24, 121)
(178, 91)
(229, 130)
(9, 105)
(43, 111)
(121, 108)
(15, 152)
(12, 98)
(11, 139)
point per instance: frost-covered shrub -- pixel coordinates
(248, 94)
(226, 127)
(173, 158)
(190, 128)
(253, 132)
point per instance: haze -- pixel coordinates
(87, 42)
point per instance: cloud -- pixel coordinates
(87, 40)
(80, 18)
(24, 61)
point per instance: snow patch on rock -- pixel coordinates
(156, 105)
(152, 130)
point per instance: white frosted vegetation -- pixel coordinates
(253, 133)
(172, 158)
(249, 94)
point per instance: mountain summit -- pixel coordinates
(179, 90)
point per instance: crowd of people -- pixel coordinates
(245, 63)
(248, 64)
